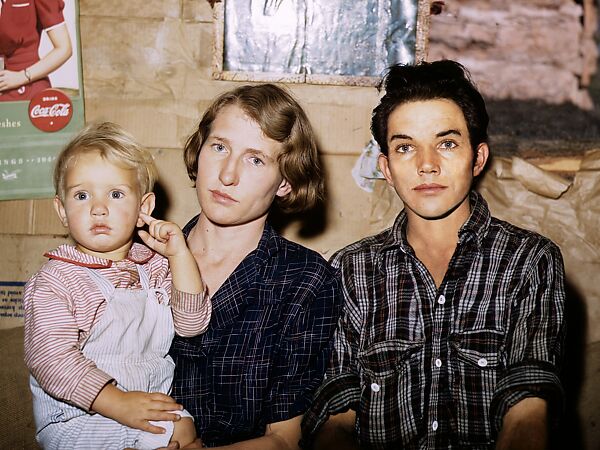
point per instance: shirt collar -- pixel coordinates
(474, 228)
(268, 245)
(138, 254)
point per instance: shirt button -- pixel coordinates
(438, 362)
(441, 299)
(375, 387)
(482, 362)
(434, 425)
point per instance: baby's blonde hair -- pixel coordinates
(115, 145)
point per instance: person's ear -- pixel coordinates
(147, 206)
(284, 188)
(384, 166)
(60, 211)
(483, 153)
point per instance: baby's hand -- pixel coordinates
(163, 237)
(136, 409)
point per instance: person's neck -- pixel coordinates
(118, 254)
(434, 241)
(213, 241)
(436, 234)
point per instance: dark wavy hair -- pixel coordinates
(282, 119)
(444, 79)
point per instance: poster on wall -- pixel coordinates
(41, 92)
(344, 42)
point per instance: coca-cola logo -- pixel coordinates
(50, 110)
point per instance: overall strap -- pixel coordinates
(160, 293)
(105, 286)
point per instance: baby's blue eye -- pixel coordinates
(117, 194)
(81, 196)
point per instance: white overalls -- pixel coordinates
(130, 343)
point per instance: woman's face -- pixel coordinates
(238, 172)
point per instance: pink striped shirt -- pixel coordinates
(62, 304)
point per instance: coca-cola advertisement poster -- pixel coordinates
(41, 92)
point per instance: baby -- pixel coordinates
(100, 315)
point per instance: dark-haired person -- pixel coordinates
(251, 376)
(452, 330)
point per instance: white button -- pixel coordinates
(434, 425)
(438, 362)
(375, 387)
(441, 299)
(482, 362)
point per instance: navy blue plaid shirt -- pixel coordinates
(267, 346)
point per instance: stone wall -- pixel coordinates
(525, 49)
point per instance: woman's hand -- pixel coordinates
(197, 444)
(12, 80)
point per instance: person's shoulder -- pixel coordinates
(289, 252)
(520, 238)
(56, 271)
(365, 248)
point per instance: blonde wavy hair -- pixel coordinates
(115, 145)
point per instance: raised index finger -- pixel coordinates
(147, 218)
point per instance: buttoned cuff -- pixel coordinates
(89, 387)
(336, 395)
(527, 379)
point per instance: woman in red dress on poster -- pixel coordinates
(22, 73)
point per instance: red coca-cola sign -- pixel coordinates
(50, 110)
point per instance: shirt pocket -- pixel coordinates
(476, 360)
(385, 369)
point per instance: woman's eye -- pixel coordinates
(256, 161)
(218, 148)
(116, 194)
(81, 196)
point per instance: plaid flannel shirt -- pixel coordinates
(428, 367)
(267, 345)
